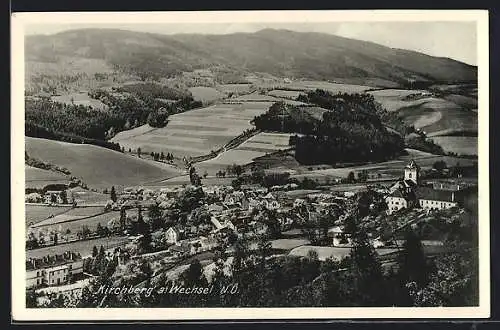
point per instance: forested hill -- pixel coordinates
(279, 52)
(349, 131)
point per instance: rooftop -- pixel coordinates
(52, 260)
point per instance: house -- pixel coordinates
(396, 201)
(53, 269)
(172, 235)
(339, 237)
(53, 197)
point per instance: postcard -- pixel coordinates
(250, 165)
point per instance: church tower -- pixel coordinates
(412, 172)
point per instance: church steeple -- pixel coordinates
(412, 172)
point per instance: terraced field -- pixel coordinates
(256, 146)
(99, 167)
(196, 132)
(441, 117)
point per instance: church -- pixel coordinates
(409, 193)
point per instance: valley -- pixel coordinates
(152, 155)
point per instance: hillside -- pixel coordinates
(99, 167)
(277, 52)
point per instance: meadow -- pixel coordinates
(304, 85)
(196, 132)
(461, 145)
(83, 247)
(285, 94)
(80, 98)
(98, 167)
(39, 178)
(36, 213)
(449, 115)
(206, 94)
(74, 221)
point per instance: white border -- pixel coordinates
(19, 311)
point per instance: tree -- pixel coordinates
(64, 197)
(439, 165)
(366, 271)
(94, 251)
(363, 175)
(237, 169)
(53, 199)
(139, 152)
(412, 263)
(100, 230)
(113, 194)
(194, 274)
(350, 177)
(155, 217)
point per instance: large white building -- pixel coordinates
(53, 270)
(408, 193)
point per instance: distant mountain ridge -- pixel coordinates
(278, 52)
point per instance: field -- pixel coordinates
(39, 178)
(235, 88)
(37, 213)
(80, 98)
(99, 167)
(435, 116)
(85, 197)
(288, 244)
(462, 145)
(328, 86)
(256, 146)
(74, 221)
(195, 132)
(205, 94)
(389, 170)
(285, 94)
(83, 247)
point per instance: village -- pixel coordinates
(173, 225)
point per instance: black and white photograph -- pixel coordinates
(245, 165)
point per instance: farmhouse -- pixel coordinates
(53, 270)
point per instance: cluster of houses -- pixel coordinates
(53, 269)
(410, 192)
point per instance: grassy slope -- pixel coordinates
(99, 167)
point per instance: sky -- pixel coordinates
(456, 40)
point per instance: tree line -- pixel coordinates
(82, 124)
